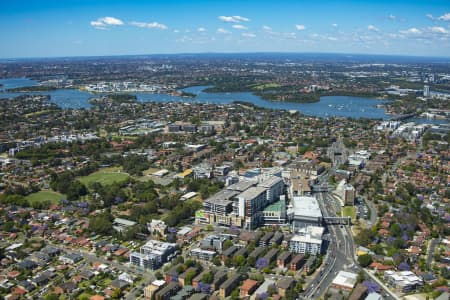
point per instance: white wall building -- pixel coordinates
(275, 188)
(305, 211)
(307, 240)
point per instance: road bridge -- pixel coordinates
(337, 221)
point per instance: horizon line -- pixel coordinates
(220, 53)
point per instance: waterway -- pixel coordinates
(341, 106)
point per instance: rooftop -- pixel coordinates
(252, 193)
(277, 206)
(272, 180)
(306, 206)
(241, 186)
(345, 279)
(124, 222)
(309, 234)
(222, 197)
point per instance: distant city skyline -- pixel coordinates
(50, 28)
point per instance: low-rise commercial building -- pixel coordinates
(305, 211)
(344, 280)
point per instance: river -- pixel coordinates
(341, 106)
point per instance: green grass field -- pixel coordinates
(266, 86)
(44, 195)
(349, 211)
(103, 177)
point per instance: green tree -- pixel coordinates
(51, 297)
(189, 276)
(227, 244)
(216, 261)
(101, 224)
(364, 260)
(116, 294)
(251, 261)
(207, 277)
(239, 260)
(76, 190)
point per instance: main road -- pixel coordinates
(340, 253)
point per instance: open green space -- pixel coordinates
(349, 211)
(45, 195)
(104, 177)
(266, 86)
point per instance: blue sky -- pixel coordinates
(47, 28)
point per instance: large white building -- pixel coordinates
(153, 254)
(307, 240)
(241, 204)
(305, 211)
(274, 186)
(250, 205)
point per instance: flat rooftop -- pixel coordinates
(345, 279)
(272, 180)
(309, 234)
(277, 206)
(252, 192)
(222, 197)
(241, 186)
(306, 206)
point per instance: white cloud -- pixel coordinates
(332, 38)
(227, 19)
(372, 28)
(412, 30)
(223, 31)
(201, 29)
(445, 17)
(103, 23)
(149, 25)
(392, 17)
(248, 35)
(239, 18)
(267, 28)
(239, 27)
(233, 19)
(176, 31)
(437, 29)
(334, 25)
(430, 16)
(97, 24)
(300, 27)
